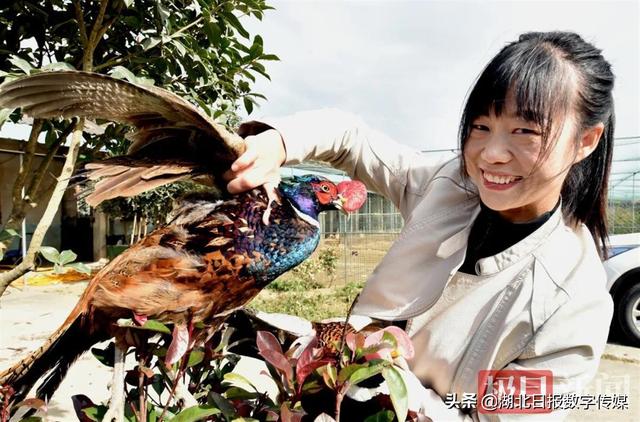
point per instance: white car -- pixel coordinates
(623, 280)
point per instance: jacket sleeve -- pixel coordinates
(569, 344)
(344, 141)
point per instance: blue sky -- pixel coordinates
(406, 66)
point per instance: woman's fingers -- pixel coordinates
(246, 159)
(259, 164)
(252, 177)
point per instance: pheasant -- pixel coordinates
(209, 260)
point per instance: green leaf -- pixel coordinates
(4, 115)
(270, 57)
(153, 325)
(128, 3)
(150, 324)
(182, 50)
(195, 413)
(329, 375)
(213, 31)
(21, 64)
(397, 391)
(67, 256)
(58, 66)
(7, 234)
(374, 367)
(390, 339)
(248, 104)
(239, 381)
(80, 267)
(223, 404)
(95, 413)
(150, 42)
(122, 72)
(256, 48)
(346, 372)
(382, 416)
(152, 415)
(237, 393)
(105, 356)
(195, 357)
(234, 22)
(163, 12)
(50, 253)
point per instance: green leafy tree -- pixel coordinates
(198, 49)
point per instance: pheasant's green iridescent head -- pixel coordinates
(313, 194)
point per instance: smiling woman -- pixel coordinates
(497, 267)
(540, 106)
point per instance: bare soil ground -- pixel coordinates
(29, 315)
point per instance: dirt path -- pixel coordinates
(28, 316)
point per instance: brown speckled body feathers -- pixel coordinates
(212, 258)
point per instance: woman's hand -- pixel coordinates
(260, 163)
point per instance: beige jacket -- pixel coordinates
(549, 308)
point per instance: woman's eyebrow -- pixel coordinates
(519, 117)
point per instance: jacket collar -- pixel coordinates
(493, 264)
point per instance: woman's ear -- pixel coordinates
(589, 140)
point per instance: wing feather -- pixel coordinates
(172, 139)
(124, 176)
(91, 95)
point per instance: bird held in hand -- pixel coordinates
(210, 259)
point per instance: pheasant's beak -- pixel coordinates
(339, 203)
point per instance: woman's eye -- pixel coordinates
(526, 131)
(479, 127)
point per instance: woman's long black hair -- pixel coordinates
(550, 74)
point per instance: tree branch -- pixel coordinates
(117, 60)
(38, 175)
(104, 29)
(29, 154)
(97, 25)
(81, 25)
(8, 277)
(184, 28)
(113, 62)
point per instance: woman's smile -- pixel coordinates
(498, 181)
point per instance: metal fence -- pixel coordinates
(362, 239)
(624, 205)
(624, 186)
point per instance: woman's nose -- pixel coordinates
(496, 149)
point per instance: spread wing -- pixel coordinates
(172, 139)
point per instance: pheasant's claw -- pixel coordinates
(273, 196)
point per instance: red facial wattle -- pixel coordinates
(354, 193)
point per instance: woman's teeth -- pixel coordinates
(501, 180)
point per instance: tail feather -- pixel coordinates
(54, 357)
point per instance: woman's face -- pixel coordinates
(502, 159)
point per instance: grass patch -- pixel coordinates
(313, 304)
(292, 284)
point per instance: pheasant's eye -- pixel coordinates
(325, 188)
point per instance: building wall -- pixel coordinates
(9, 166)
